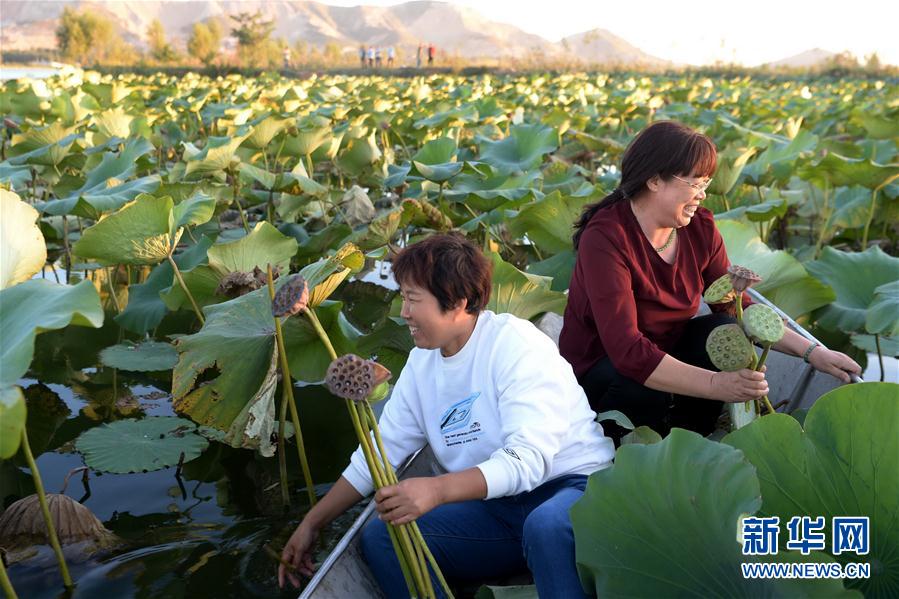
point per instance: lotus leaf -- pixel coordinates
(140, 445)
(324, 276)
(839, 170)
(36, 306)
(883, 313)
(548, 222)
(888, 346)
(854, 278)
(522, 150)
(215, 157)
(146, 356)
(42, 146)
(522, 294)
(730, 166)
(140, 233)
(661, 521)
(559, 267)
(840, 462)
(23, 251)
(357, 207)
(12, 420)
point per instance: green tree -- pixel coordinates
(91, 38)
(254, 45)
(160, 50)
(204, 42)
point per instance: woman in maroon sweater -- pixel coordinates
(645, 254)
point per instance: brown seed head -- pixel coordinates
(292, 297)
(351, 377)
(742, 278)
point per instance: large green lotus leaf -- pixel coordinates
(215, 157)
(486, 193)
(883, 313)
(324, 276)
(868, 343)
(730, 166)
(380, 231)
(435, 161)
(23, 251)
(35, 306)
(195, 210)
(663, 522)
(17, 177)
(841, 462)
(310, 135)
(139, 233)
(202, 282)
(360, 153)
(145, 309)
(146, 356)
(264, 131)
(854, 276)
(438, 173)
(12, 420)
(559, 267)
(309, 360)
(522, 150)
(877, 126)
(46, 146)
(522, 294)
(140, 445)
(548, 222)
(390, 343)
(452, 117)
(264, 245)
(101, 200)
(238, 340)
(784, 280)
(839, 171)
(111, 123)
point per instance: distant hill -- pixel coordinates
(29, 24)
(809, 58)
(602, 46)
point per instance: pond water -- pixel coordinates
(197, 535)
(30, 72)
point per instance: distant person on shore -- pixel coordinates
(431, 52)
(286, 56)
(418, 55)
(378, 53)
(362, 55)
(391, 55)
(371, 56)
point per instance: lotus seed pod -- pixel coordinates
(742, 278)
(292, 297)
(719, 292)
(23, 523)
(351, 377)
(728, 348)
(762, 324)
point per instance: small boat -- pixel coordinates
(794, 385)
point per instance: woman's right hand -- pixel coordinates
(298, 552)
(739, 386)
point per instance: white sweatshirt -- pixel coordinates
(506, 403)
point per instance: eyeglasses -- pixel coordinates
(696, 186)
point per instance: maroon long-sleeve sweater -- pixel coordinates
(627, 303)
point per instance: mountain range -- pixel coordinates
(454, 29)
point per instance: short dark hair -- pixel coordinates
(450, 267)
(664, 148)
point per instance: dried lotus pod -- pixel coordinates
(292, 297)
(762, 324)
(23, 523)
(742, 278)
(719, 292)
(728, 348)
(235, 284)
(355, 378)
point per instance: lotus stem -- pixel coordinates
(309, 166)
(873, 206)
(184, 288)
(322, 335)
(42, 499)
(282, 455)
(738, 308)
(65, 245)
(757, 365)
(235, 189)
(5, 583)
(287, 383)
(879, 354)
(111, 286)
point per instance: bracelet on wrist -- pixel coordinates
(808, 352)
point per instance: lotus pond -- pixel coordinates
(140, 358)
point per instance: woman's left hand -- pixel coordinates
(408, 500)
(834, 363)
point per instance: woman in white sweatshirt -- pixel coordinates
(504, 415)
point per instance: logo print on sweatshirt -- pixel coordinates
(458, 415)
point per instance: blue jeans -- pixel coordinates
(477, 540)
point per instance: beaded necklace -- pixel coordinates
(671, 237)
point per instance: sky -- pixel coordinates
(705, 31)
